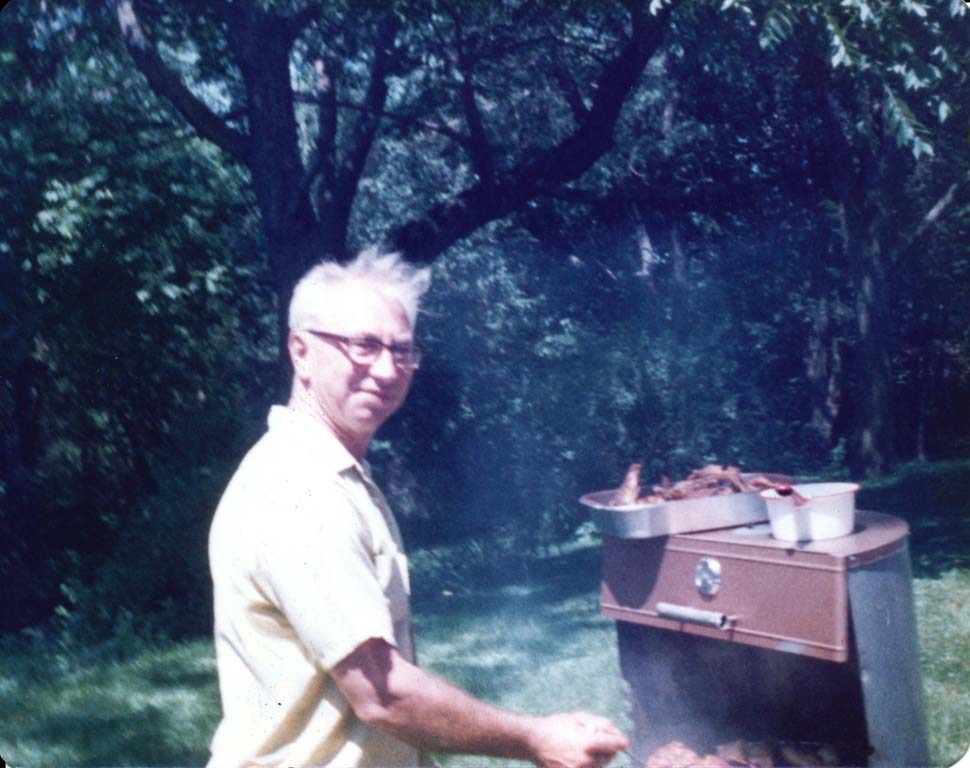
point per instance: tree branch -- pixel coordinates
(717, 199)
(322, 161)
(540, 170)
(570, 90)
(479, 149)
(336, 193)
(410, 120)
(932, 216)
(326, 86)
(168, 84)
(581, 50)
(937, 210)
(497, 52)
(369, 118)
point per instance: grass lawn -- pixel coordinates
(158, 707)
(527, 636)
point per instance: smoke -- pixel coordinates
(707, 692)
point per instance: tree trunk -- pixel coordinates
(684, 423)
(823, 370)
(856, 174)
(871, 448)
(24, 562)
(261, 45)
(289, 260)
(921, 405)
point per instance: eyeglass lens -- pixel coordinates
(367, 350)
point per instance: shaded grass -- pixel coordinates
(536, 647)
(158, 707)
(943, 626)
(935, 500)
(522, 633)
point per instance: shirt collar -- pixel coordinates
(313, 436)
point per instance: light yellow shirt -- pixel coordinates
(307, 563)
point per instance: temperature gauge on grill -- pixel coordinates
(707, 576)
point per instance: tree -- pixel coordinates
(831, 106)
(114, 301)
(413, 68)
(874, 76)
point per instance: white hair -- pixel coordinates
(387, 273)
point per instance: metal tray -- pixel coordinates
(643, 521)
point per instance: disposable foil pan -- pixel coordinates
(643, 521)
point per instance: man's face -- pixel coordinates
(354, 398)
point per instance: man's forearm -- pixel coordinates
(429, 713)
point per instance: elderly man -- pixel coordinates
(312, 614)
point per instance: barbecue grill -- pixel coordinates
(730, 634)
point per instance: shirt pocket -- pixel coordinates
(392, 573)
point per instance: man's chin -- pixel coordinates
(375, 403)
(372, 416)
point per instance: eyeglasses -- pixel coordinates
(365, 350)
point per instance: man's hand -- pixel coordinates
(575, 740)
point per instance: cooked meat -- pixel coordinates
(628, 492)
(711, 480)
(759, 753)
(795, 755)
(747, 754)
(711, 761)
(734, 752)
(674, 754)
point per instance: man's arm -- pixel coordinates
(419, 708)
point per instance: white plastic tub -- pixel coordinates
(829, 512)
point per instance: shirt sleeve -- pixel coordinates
(323, 576)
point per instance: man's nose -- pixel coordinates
(384, 366)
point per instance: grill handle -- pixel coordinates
(693, 615)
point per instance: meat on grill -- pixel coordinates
(676, 754)
(747, 754)
(711, 480)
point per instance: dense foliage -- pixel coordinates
(677, 232)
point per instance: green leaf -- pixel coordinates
(778, 26)
(171, 291)
(838, 41)
(911, 6)
(904, 125)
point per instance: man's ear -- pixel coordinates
(299, 354)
